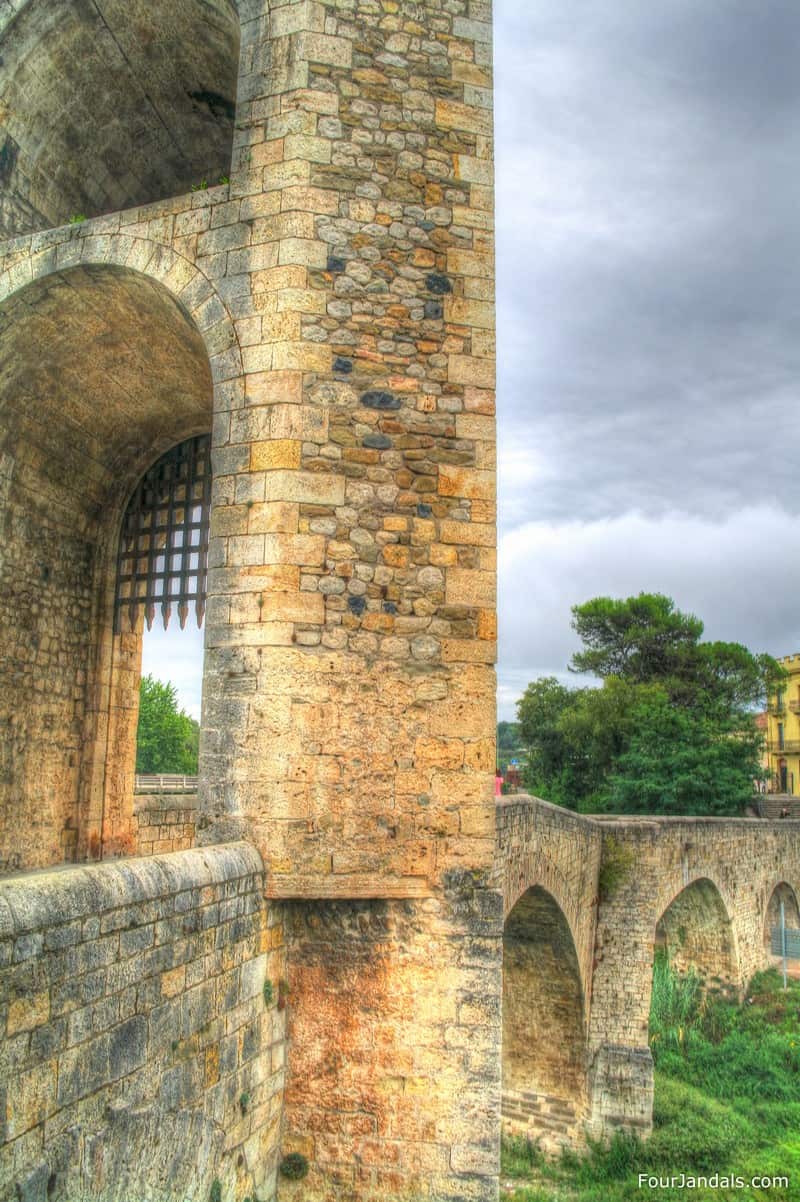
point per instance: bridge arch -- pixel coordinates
(544, 1060)
(104, 365)
(696, 934)
(782, 892)
(108, 107)
(537, 869)
(188, 287)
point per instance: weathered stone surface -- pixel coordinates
(68, 152)
(379, 399)
(164, 822)
(159, 1046)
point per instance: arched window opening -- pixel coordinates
(162, 569)
(544, 1093)
(68, 151)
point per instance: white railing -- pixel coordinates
(167, 783)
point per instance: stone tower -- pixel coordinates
(325, 313)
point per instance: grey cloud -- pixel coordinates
(648, 299)
(740, 575)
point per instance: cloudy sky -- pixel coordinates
(648, 317)
(648, 206)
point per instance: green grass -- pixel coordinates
(727, 1101)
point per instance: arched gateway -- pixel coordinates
(103, 370)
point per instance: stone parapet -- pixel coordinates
(164, 822)
(138, 1057)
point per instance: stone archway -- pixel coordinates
(785, 894)
(544, 1035)
(107, 104)
(101, 370)
(696, 934)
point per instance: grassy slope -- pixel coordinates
(727, 1100)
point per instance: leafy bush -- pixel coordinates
(726, 1049)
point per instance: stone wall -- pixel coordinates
(138, 1057)
(393, 1088)
(46, 619)
(164, 822)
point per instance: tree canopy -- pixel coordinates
(671, 729)
(508, 736)
(167, 738)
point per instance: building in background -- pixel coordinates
(783, 731)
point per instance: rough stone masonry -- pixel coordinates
(271, 223)
(327, 313)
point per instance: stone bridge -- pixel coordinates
(247, 354)
(586, 902)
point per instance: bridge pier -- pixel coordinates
(620, 1091)
(394, 1012)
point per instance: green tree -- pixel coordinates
(167, 738)
(508, 736)
(671, 729)
(597, 727)
(682, 762)
(646, 640)
(509, 744)
(640, 639)
(539, 712)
